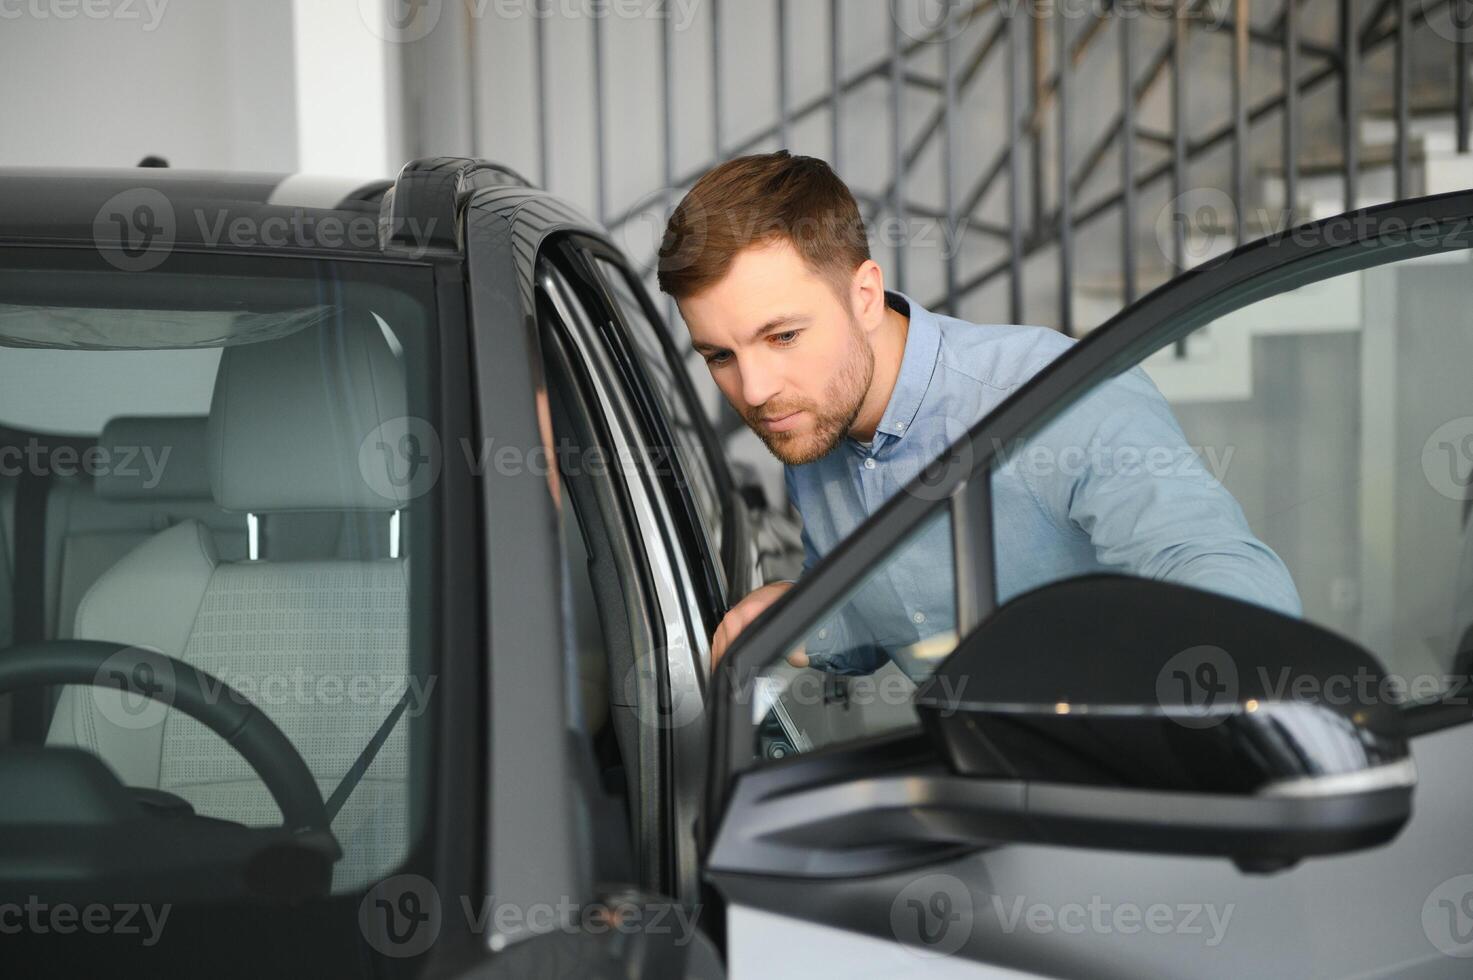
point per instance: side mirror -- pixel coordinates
(1103, 712)
(1145, 715)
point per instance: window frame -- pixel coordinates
(1329, 247)
(718, 569)
(445, 839)
(682, 646)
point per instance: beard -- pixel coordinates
(833, 417)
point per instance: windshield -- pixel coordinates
(211, 534)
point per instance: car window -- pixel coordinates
(1310, 452)
(1308, 448)
(692, 454)
(855, 668)
(243, 488)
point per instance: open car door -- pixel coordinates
(1148, 770)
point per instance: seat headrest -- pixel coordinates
(290, 420)
(153, 457)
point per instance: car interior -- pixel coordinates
(248, 540)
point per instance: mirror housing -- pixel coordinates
(1120, 684)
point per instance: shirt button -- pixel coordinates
(918, 617)
(869, 462)
(899, 425)
(823, 634)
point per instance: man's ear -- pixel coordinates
(867, 295)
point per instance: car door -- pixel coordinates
(1317, 395)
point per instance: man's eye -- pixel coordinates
(786, 337)
(716, 360)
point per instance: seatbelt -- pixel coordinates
(365, 758)
(28, 707)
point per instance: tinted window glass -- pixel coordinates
(243, 486)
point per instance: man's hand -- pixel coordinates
(737, 618)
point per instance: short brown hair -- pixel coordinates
(756, 200)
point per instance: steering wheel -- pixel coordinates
(201, 696)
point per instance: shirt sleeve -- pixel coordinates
(1118, 466)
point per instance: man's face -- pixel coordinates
(784, 349)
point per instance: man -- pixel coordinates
(856, 389)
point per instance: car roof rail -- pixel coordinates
(422, 209)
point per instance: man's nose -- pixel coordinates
(759, 384)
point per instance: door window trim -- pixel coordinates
(720, 565)
(684, 643)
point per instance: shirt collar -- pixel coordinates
(922, 345)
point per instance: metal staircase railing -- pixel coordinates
(1044, 66)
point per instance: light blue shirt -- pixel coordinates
(1110, 485)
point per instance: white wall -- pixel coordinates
(203, 83)
(343, 76)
